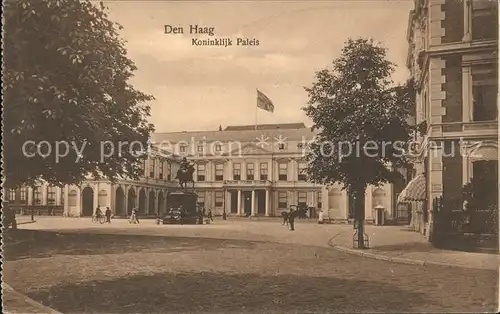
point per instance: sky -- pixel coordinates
(198, 88)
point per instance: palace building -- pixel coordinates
(453, 53)
(241, 170)
(257, 170)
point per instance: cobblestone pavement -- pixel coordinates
(391, 241)
(225, 268)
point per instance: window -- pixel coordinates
(302, 171)
(282, 200)
(219, 172)
(319, 200)
(484, 92)
(160, 170)
(424, 106)
(302, 199)
(283, 171)
(484, 19)
(218, 148)
(263, 171)
(23, 196)
(250, 171)
(201, 148)
(143, 167)
(12, 195)
(300, 145)
(152, 163)
(201, 199)
(236, 171)
(169, 171)
(62, 197)
(182, 148)
(200, 172)
(219, 199)
(51, 195)
(37, 195)
(281, 146)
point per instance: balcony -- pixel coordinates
(239, 183)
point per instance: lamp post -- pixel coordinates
(224, 215)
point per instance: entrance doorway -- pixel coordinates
(247, 202)
(261, 201)
(87, 202)
(234, 202)
(120, 202)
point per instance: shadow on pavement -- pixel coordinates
(219, 292)
(24, 244)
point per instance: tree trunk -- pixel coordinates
(359, 215)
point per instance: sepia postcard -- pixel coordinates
(335, 156)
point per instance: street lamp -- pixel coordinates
(224, 215)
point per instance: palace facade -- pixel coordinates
(249, 170)
(241, 170)
(453, 58)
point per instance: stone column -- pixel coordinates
(66, 200)
(243, 169)
(96, 195)
(147, 202)
(29, 197)
(267, 203)
(43, 193)
(467, 21)
(125, 201)
(240, 211)
(466, 94)
(58, 195)
(156, 209)
(79, 202)
(254, 209)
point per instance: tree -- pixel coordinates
(362, 123)
(66, 80)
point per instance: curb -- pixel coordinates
(40, 307)
(26, 222)
(398, 260)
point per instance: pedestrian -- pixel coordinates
(284, 215)
(108, 215)
(321, 217)
(291, 219)
(209, 215)
(136, 215)
(98, 212)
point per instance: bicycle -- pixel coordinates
(100, 219)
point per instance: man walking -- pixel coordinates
(210, 216)
(108, 215)
(291, 219)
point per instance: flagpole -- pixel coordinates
(256, 115)
(256, 112)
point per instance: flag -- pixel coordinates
(263, 102)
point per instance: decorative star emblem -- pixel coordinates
(262, 141)
(280, 140)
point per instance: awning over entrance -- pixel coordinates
(414, 191)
